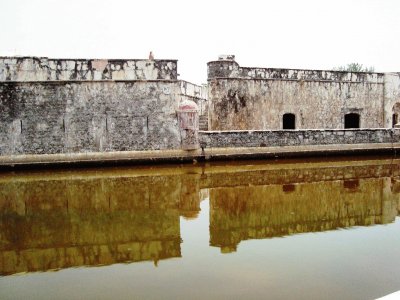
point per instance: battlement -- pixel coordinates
(28, 68)
(227, 67)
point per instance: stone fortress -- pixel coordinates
(263, 99)
(99, 109)
(57, 106)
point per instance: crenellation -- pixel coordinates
(231, 69)
(46, 69)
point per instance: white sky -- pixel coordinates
(310, 34)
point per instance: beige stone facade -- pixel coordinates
(272, 99)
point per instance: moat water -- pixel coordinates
(245, 230)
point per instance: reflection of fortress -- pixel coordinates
(64, 219)
(255, 212)
(53, 223)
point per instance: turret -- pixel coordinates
(224, 67)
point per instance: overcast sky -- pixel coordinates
(310, 34)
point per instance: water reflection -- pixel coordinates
(59, 222)
(53, 220)
(256, 212)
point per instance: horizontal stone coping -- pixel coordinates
(296, 130)
(178, 155)
(300, 148)
(298, 80)
(290, 69)
(84, 59)
(87, 81)
(60, 82)
(309, 70)
(91, 156)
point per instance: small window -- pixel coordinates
(288, 188)
(351, 184)
(352, 121)
(394, 120)
(289, 121)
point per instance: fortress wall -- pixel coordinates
(46, 69)
(88, 116)
(242, 98)
(392, 97)
(196, 93)
(259, 104)
(248, 138)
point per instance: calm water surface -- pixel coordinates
(288, 230)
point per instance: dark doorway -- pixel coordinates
(289, 121)
(394, 120)
(352, 121)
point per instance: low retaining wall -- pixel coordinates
(270, 138)
(225, 145)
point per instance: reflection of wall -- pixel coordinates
(254, 212)
(299, 172)
(58, 219)
(51, 224)
(51, 240)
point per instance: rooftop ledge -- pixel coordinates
(84, 59)
(295, 69)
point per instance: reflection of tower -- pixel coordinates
(389, 201)
(395, 188)
(190, 196)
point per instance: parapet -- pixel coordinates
(51, 69)
(227, 67)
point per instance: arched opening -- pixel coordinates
(352, 120)
(289, 121)
(395, 114)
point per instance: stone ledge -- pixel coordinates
(178, 156)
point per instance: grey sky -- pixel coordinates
(311, 34)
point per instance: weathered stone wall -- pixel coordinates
(88, 116)
(257, 98)
(196, 93)
(392, 97)
(241, 104)
(50, 106)
(256, 138)
(47, 69)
